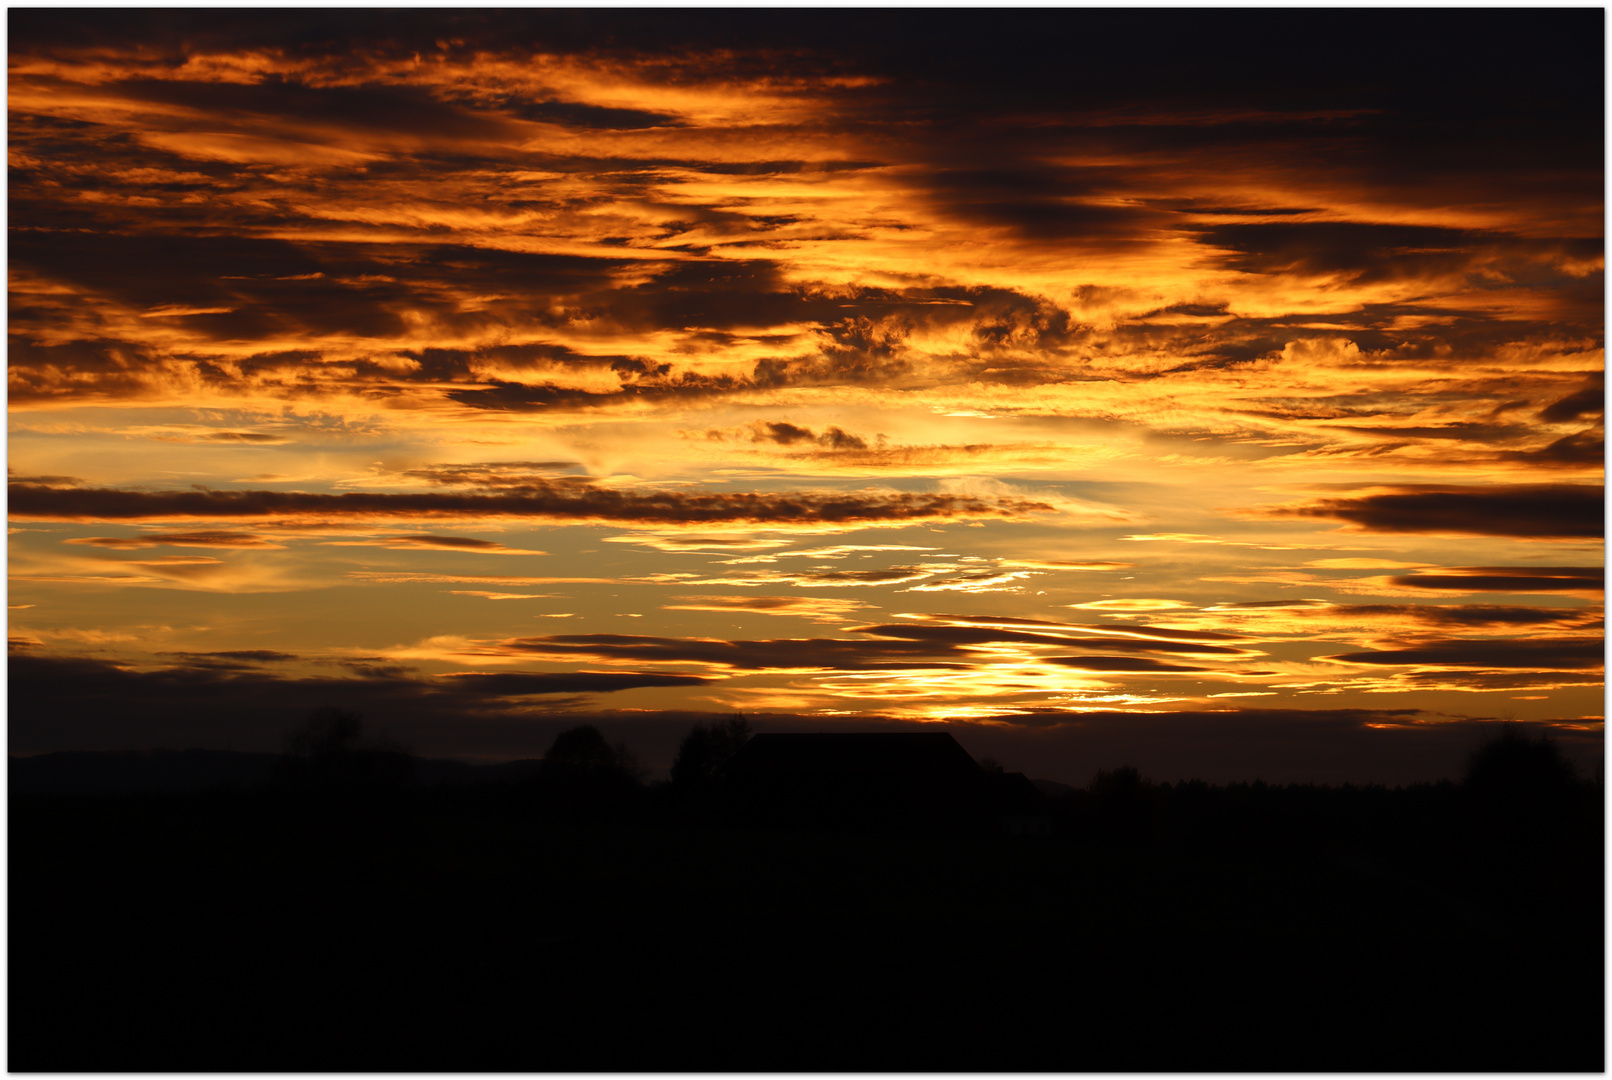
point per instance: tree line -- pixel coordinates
(1519, 799)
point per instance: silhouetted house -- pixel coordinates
(879, 780)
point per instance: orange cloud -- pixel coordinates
(816, 608)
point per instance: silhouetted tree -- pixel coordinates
(583, 774)
(1122, 804)
(1526, 771)
(1518, 801)
(700, 770)
(326, 733)
(703, 756)
(328, 752)
(583, 752)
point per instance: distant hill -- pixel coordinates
(108, 772)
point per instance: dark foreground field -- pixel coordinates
(469, 929)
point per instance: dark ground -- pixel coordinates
(460, 929)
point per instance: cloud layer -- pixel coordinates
(864, 362)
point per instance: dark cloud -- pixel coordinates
(1464, 615)
(244, 288)
(1120, 664)
(524, 683)
(1054, 627)
(497, 474)
(973, 635)
(1461, 431)
(884, 576)
(712, 299)
(502, 395)
(1536, 654)
(215, 539)
(1528, 579)
(841, 654)
(253, 437)
(534, 499)
(576, 114)
(1031, 200)
(115, 369)
(1270, 605)
(1479, 680)
(990, 59)
(1144, 631)
(440, 364)
(192, 272)
(1366, 253)
(375, 108)
(237, 658)
(447, 543)
(855, 349)
(1587, 401)
(786, 434)
(1530, 511)
(1582, 449)
(713, 294)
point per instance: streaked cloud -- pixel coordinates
(507, 684)
(1534, 655)
(806, 511)
(385, 577)
(429, 542)
(202, 539)
(1522, 579)
(816, 608)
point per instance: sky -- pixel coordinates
(1218, 392)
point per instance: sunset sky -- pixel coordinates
(1219, 392)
